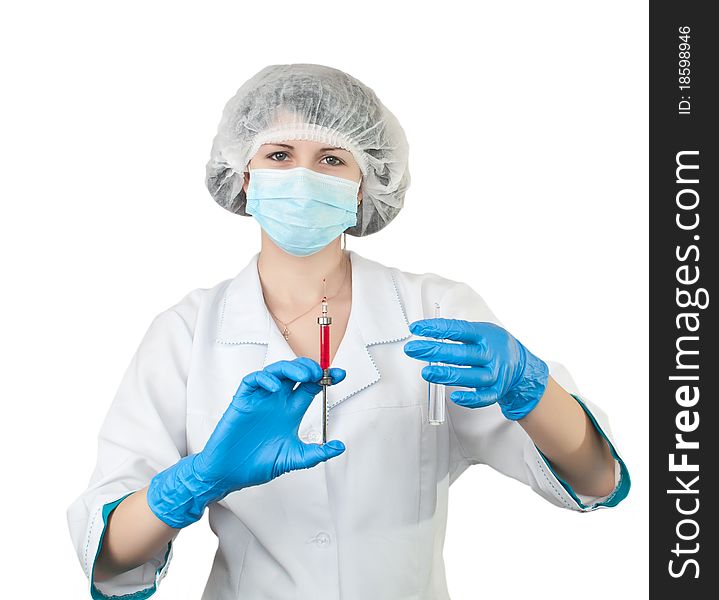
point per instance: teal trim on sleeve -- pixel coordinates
(625, 482)
(139, 595)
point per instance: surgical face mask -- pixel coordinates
(300, 209)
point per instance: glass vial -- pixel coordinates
(436, 393)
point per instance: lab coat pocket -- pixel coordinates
(380, 376)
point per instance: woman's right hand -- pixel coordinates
(254, 441)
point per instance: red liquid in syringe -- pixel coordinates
(324, 337)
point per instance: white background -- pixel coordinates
(527, 123)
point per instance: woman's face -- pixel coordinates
(317, 156)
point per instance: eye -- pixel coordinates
(275, 153)
(334, 164)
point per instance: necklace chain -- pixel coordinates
(285, 330)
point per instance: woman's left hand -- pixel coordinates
(494, 363)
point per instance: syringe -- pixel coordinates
(324, 321)
(436, 393)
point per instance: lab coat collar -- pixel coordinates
(376, 317)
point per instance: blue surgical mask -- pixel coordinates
(300, 209)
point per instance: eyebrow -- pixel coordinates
(292, 147)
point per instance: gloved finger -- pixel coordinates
(465, 376)
(256, 381)
(311, 364)
(290, 372)
(303, 395)
(476, 399)
(309, 455)
(458, 354)
(451, 329)
(337, 374)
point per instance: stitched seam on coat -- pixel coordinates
(267, 350)
(362, 388)
(221, 324)
(222, 317)
(89, 537)
(404, 316)
(541, 468)
(399, 300)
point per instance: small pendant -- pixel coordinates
(286, 333)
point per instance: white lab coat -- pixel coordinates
(367, 524)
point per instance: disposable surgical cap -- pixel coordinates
(320, 104)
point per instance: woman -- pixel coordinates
(312, 154)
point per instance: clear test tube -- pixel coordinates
(437, 391)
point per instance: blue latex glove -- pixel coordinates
(254, 441)
(494, 363)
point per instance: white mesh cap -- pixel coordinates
(319, 104)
